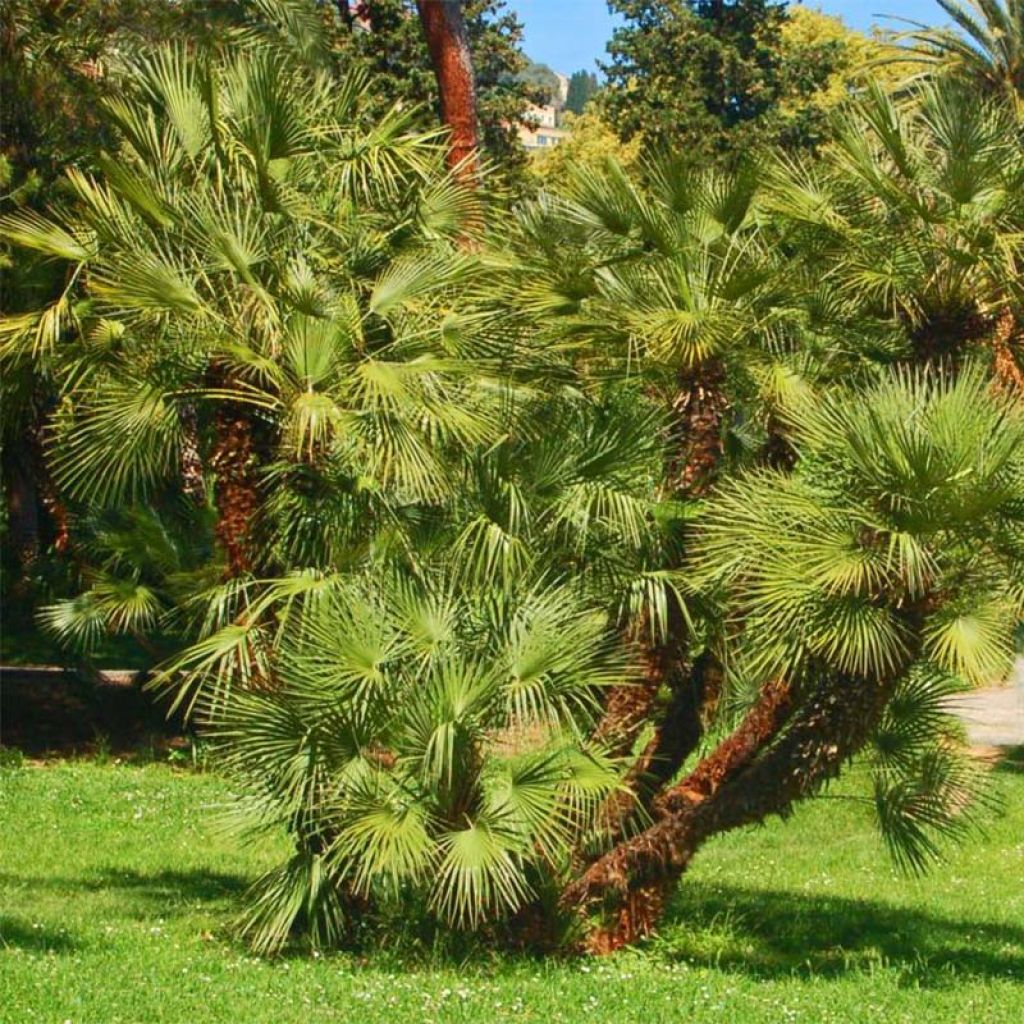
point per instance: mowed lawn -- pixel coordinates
(117, 894)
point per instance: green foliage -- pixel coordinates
(489, 461)
(277, 255)
(582, 88)
(892, 552)
(543, 82)
(984, 45)
(420, 741)
(916, 213)
(590, 142)
(394, 54)
(719, 81)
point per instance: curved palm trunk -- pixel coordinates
(677, 734)
(445, 31)
(699, 411)
(777, 756)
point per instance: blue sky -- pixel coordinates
(571, 34)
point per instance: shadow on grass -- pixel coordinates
(17, 933)
(770, 934)
(177, 891)
(757, 933)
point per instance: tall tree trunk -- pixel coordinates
(445, 31)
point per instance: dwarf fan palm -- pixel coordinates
(265, 278)
(422, 721)
(888, 562)
(986, 46)
(914, 216)
(420, 740)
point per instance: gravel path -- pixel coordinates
(995, 715)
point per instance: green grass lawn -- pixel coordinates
(116, 896)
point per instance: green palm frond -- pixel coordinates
(301, 892)
(134, 419)
(479, 874)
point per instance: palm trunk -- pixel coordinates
(190, 461)
(628, 707)
(1005, 345)
(445, 31)
(22, 508)
(233, 460)
(699, 412)
(677, 735)
(776, 757)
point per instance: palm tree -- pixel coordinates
(674, 278)
(505, 540)
(986, 46)
(887, 563)
(914, 218)
(674, 282)
(272, 264)
(421, 743)
(423, 721)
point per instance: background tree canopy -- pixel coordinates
(728, 79)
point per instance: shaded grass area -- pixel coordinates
(116, 896)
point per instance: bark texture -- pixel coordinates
(780, 753)
(234, 462)
(445, 31)
(699, 410)
(677, 735)
(22, 507)
(193, 481)
(1006, 352)
(628, 707)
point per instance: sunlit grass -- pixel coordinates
(116, 896)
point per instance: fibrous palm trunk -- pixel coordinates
(781, 752)
(445, 31)
(22, 508)
(234, 461)
(699, 411)
(787, 746)
(1005, 344)
(193, 481)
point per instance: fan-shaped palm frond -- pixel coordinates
(405, 747)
